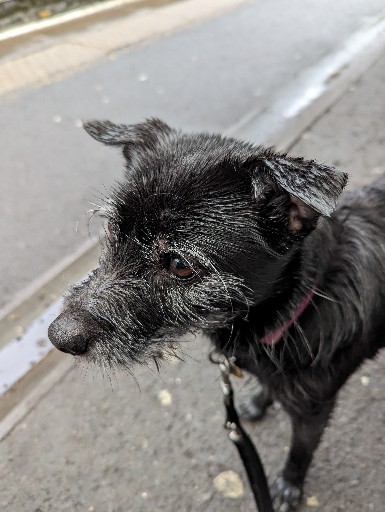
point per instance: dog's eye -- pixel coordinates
(180, 267)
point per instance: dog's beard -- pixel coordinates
(144, 326)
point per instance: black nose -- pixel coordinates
(72, 331)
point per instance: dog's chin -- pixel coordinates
(107, 355)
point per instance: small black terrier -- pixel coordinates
(210, 233)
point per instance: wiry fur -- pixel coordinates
(254, 227)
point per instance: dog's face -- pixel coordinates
(200, 229)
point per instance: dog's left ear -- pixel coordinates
(141, 134)
(312, 188)
(131, 138)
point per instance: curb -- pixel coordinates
(60, 19)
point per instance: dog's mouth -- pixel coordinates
(81, 334)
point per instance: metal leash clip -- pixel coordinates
(226, 364)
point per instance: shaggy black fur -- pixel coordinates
(210, 233)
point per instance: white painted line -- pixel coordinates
(22, 353)
(316, 82)
(313, 84)
(59, 19)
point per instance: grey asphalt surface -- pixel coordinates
(87, 447)
(206, 77)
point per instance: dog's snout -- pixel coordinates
(71, 332)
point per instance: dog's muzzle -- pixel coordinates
(72, 332)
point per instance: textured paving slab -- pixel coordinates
(88, 448)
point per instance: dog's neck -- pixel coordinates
(273, 336)
(292, 281)
(292, 287)
(297, 284)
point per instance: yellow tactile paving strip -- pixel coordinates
(65, 57)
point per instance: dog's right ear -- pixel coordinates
(143, 134)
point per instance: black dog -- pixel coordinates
(210, 233)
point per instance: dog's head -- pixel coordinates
(200, 230)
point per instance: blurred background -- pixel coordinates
(305, 76)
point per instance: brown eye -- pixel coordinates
(179, 267)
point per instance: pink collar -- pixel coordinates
(272, 337)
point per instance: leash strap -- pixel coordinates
(245, 446)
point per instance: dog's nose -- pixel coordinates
(71, 332)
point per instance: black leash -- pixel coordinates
(242, 441)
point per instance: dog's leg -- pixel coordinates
(254, 406)
(306, 435)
